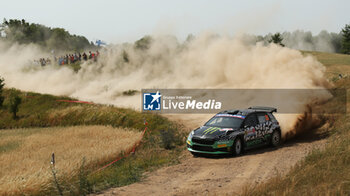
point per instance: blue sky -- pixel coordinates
(119, 21)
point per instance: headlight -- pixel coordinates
(190, 136)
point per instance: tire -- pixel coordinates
(237, 147)
(276, 138)
(195, 154)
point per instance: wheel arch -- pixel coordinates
(240, 136)
(280, 131)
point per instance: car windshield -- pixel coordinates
(224, 122)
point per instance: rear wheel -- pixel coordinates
(276, 138)
(237, 147)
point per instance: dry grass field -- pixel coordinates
(25, 154)
(26, 145)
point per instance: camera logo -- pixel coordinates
(151, 101)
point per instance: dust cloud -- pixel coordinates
(207, 61)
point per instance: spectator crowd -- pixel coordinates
(69, 58)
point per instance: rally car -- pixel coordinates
(233, 131)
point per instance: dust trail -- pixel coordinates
(207, 61)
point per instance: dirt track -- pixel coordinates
(218, 176)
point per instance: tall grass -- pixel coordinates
(27, 166)
(322, 172)
(39, 110)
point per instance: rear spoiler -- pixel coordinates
(263, 108)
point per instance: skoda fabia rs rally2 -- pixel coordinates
(233, 131)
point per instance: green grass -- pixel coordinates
(38, 110)
(129, 170)
(329, 59)
(9, 146)
(75, 66)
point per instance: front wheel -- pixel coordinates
(195, 154)
(276, 138)
(237, 147)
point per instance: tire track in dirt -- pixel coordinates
(220, 175)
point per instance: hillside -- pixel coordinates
(84, 137)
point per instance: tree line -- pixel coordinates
(22, 32)
(324, 41)
(300, 40)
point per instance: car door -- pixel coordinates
(264, 125)
(250, 133)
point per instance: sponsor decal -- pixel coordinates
(222, 145)
(231, 115)
(211, 130)
(239, 116)
(251, 131)
(267, 117)
(226, 129)
(259, 131)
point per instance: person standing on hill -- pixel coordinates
(60, 60)
(85, 56)
(90, 55)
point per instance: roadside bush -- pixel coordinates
(171, 138)
(167, 138)
(129, 92)
(15, 101)
(2, 84)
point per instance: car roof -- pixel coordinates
(253, 109)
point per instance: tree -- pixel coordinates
(15, 101)
(2, 84)
(336, 40)
(345, 48)
(125, 56)
(144, 43)
(23, 32)
(277, 39)
(190, 37)
(259, 38)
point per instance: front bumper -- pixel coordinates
(219, 147)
